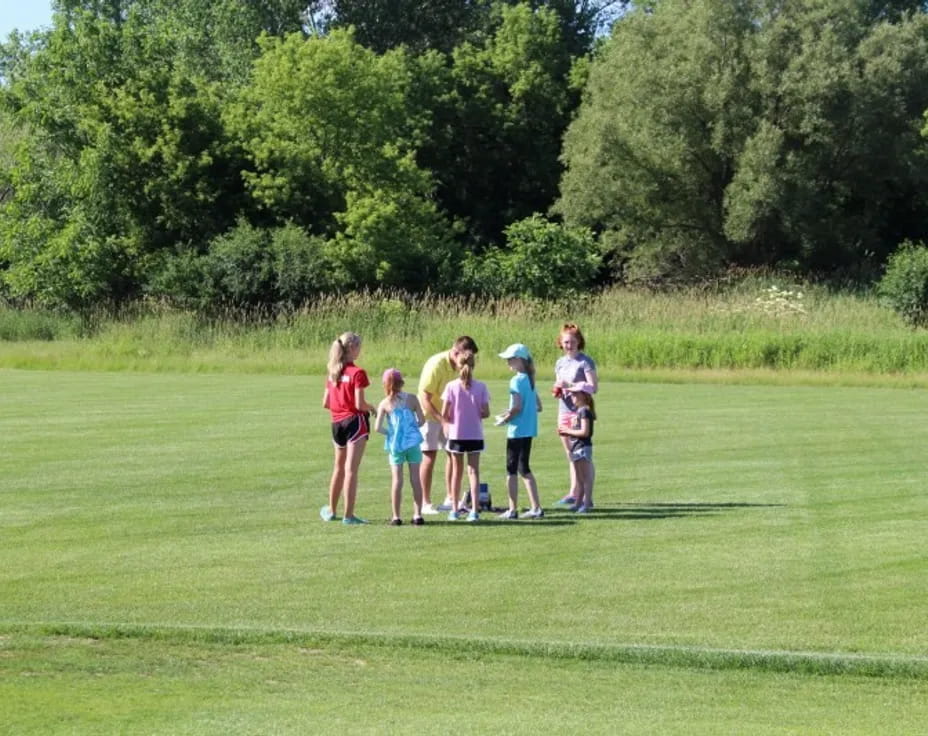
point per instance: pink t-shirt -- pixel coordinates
(465, 406)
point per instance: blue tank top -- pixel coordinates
(402, 428)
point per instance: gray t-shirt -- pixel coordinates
(572, 370)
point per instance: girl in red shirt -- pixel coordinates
(344, 398)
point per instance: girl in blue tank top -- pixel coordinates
(399, 417)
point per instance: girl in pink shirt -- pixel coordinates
(466, 405)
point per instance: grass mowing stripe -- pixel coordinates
(808, 663)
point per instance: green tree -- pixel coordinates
(751, 132)
(331, 136)
(499, 106)
(442, 25)
(129, 155)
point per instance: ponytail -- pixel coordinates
(466, 370)
(528, 368)
(338, 354)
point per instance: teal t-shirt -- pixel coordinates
(525, 423)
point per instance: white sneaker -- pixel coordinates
(428, 510)
(508, 515)
(446, 506)
(534, 513)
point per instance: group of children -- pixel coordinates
(464, 405)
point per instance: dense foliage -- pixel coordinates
(262, 152)
(905, 283)
(756, 132)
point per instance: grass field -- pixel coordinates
(757, 563)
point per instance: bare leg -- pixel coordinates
(448, 491)
(512, 485)
(416, 484)
(457, 471)
(338, 478)
(532, 487)
(585, 479)
(355, 452)
(572, 491)
(473, 476)
(425, 474)
(396, 489)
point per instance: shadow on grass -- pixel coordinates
(658, 510)
(623, 511)
(493, 522)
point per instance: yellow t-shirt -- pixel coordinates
(437, 373)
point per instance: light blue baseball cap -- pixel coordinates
(516, 350)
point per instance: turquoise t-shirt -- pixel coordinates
(525, 423)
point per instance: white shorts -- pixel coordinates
(434, 437)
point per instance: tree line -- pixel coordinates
(263, 152)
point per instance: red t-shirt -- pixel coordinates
(341, 395)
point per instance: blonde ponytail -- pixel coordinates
(338, 354)
(466, 368)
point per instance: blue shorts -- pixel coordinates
(584, 452)
(413, 456)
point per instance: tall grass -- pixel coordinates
(753, 324)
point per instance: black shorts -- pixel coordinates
(350, 430)
(460, 447)
(518, 453)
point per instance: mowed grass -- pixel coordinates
(756, 562)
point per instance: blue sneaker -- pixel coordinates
(352, 520)
(473, 516)
(454, 515)
(326, 514)
(566, 501)
(581, 510)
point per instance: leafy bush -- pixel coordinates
(905, 283)
(543, 259)
(240, 265)
(301, 268)
(391, 239)
(182, 277)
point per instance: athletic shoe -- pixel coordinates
(417, 521)
(534, 514)
(508, 515)
(581, 510)
(396, 522)
(446, 506)
(566, 501)
(454, 515)
(473, 516)
(326, 514)
(353, 520)
(428, 510)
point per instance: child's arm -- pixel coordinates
(360, 402)
(484, 411)
(582, 433)
(446, 412)
(592, 379)
(538, 402)
(325, 398)
(380, 422)
(514, 410)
